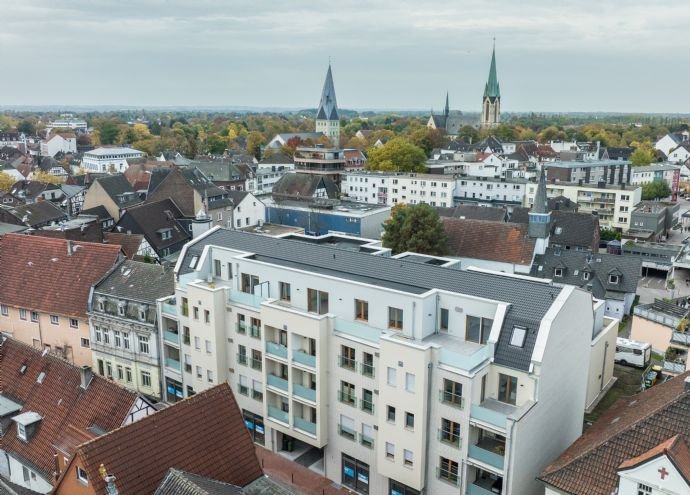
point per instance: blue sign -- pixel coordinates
(363, 478)
(259, 429)
(249, 424)
(349, 471)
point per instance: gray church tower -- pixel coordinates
(327, 118)
(539, 226)
(491, 101)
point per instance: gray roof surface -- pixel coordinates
(220, 170)
(9, 228)
(474, 212)
(599, 265)
(328, 106)
(529, 300)
(138, 281)
(114, 186)
(568, 228)
(183, 483)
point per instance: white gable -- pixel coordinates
(659, 473)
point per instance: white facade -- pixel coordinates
(383, 378)
(391, 189)
(109, 159)
(668, 142)
(679, 155)
(23, 475)
(658, 474)
(250, 212)
(67, 121)
(489, 191)
(264, 179)
(654, 172)
(58, 143)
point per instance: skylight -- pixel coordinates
(517, 339)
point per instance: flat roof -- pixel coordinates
(610, 187)
(112, 151)
(421, 176)
(27, 418)
(585, 164)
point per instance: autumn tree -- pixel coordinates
(6, 181)
(415, 228)
(397, 155)
(641, 157)
(46, 178)
(468, 134)
(255, 140)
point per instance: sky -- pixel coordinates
(552, 55)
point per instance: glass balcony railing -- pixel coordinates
(304, 392)
(346, 398)
(448, 437)
(239, 297)
(451, 399)
(491, 415)
(172, 364)
(172, 337)
(447, 476)
(474, 489)
(255, 331)
(367, 406)
(302, 357)
(486, 456)
(347, 363)
(367, 369)
(305, 425)
(169, 309)
(278, 414)
(242, 359)
(276, 350)
(278, 382)
(358, 329)
(241, 327)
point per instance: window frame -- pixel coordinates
(361, 310)
(511, 386)
(395, 318)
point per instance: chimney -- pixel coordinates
(687, 383)
(70, 248)
(86, 376)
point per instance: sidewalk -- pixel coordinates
(298, 478)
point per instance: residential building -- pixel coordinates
(59, 143)
(68, 121)
(474, 212)
(8, 169)
(657, 256)
(109, 159)
(134, 246)
(32, 215)
(569, 229)
(491, 191)
(124, 327)
(639, 446)
(204, 436)
(680, 154)
(264, 179)
(670, 141)
(327, 118)
(590, 171)
(44, 291)
(666, 172)
(247, 210)
(304, 187)
(580, 151)
(48, 408)
(320, 161)
(617, 153)
(11, 140)
(609, 277)
(225, 174)
(491, 101)
(355, 159)
(665, 325)
(391, 188)
(652, 220)
(328, 342)
(613, 203)
(113, 193)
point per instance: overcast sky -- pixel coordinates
(552, 55)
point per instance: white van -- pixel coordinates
(633, 353)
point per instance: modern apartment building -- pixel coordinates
(398, 376)
(110, 160)
(320, 161)
(392, 188)
(612, 203)
(591, 171)
(491, 191)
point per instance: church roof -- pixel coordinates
(328, 106)
(540, 203)
(492, 89)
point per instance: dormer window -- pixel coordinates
(585, 275)
(613, 279)
(142, 313)
(26, 424)
(517, 339)
(165, 234)
(101, 305)
(121, 309)
(558, 272)
(21, 432)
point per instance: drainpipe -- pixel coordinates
(429, 386)
(438, 302)
(414, 313)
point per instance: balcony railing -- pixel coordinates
(490, 416)
(451, 399)
(486, 456)
(680, 338)
(256, 364)
(367, 406)
(172, 337)
(169, 309)
(449, 437)
(358, 329)
(347, 363)
(674, 366)
(447, 476)
(367, 441)
(305, 425)
(242, 359)
(367, 370)
(255, 331)
(172, 363)
(278, 414)
(346, 398)
(241, 327)
(239, 297)
(304, 392)
(347, 432)
(278, 382)
(473, 489)
(276, 349)
(302, 357)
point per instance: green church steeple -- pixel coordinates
(492, 89)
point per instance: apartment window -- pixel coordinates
(125, 340)
(347, 393)
(197, 343)
(347, 357)
(22, 314)
(448, 470)
(117, 340)
(108, 369)
(217, 270)
(390, 451)
(368, 364)
(200, 371)
(452, 392)
(106, 337)
(195, 310)
(643, 489)
(585, 275)
(517, 338)
(450, 431)
(613, 279)
(347, 427)
(185, 307)
(408, 457)
(120, 372)
(444, 320)
(367, 401)
(390, 414)
(34, 316)
(146, 379)
(395, 318)
(317, 301)
(85, 343)
(185, 335)
(209, 376)
(5, 310)
(478, 329)
(409, 420)
(81, 476)
(249, 282)
(361, 310)
(54, 319)
(128, 375)
(207, 316)
(73, 323)
(97, 334)
(355, 474)
(121, 309)
(284, 291)
(409, 382)
(256, 359)
(507, 388)
(21, 431)
(229, 271)
(391, 376)
(143, 344)
(208, 347)
(558, 272)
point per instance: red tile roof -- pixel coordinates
(675, 448)
(203, 435)
(632, 427)
(38, 274)
(487, 240)
(59, 400)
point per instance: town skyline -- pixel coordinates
(169, 55)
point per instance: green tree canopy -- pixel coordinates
(416, 228)
(468, 133)
(641, 157)
(606, 234)
(397, 155)
(658, 189)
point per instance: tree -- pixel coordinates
(397, 155)
(655, 190)
(428, 139)
(46, 178)
(415, 228)
(468, 134)
(254, 142)
(108, 133)
(27, 127)
(641, 157)
(6, 181)
(609, 234)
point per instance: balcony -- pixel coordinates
(449, 438)
(242, 359)
(346, 398)
(367, 370)
(241, 327)
(169, 309)
(489, 452)
(304, 392)
(173, 364)
(274, 349)
(676, 366)
(278, 415)
(172, 337)
(303, 358)
(358, 329)
(447, 476)
(492, 413)
(347, 363)
(451, 399)
(346, 432)
(681, 338)
(246, 299)
(474, 489)
(278, 382)
(305, 425)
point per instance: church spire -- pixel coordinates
(540, 202)
(446, 110)
(328, 106)
(492, 89)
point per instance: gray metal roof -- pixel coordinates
(138, 281)
(529, 299)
